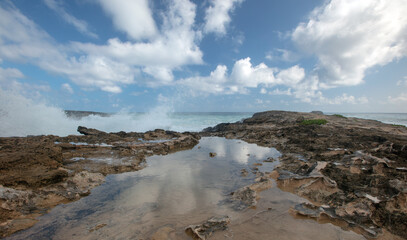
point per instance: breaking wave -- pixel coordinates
(22, 116)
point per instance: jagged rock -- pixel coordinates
(363, 159)
(204, 231)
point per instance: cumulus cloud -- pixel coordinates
(242, 77)
(348, 37)
(80, 25)
(217, 16)
(132, 17)
(112, 65)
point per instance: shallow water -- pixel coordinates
(180, 189)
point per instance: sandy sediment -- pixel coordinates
(353, 171)
(40, 172)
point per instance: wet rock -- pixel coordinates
(244, 197)
(212, 154)
(90, 131)
(323, 213)
(244, 172)
(206, 229)
(344, 162)
(49, 170)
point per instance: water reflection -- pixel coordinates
(171, 190)
(180, 189)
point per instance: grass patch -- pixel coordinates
(314, 122)
(339, 115)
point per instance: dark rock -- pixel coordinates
(349, 163)
(204, 231)
(318, 112)
(90, 131)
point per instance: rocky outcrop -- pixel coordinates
(40, 172)
(355, 169)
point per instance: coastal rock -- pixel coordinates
(318, 112)
(39, 172)
(346, 163)
(205, 230)
(89, 131)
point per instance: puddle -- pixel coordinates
(180, 189)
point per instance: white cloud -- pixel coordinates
(80, 25)
(131, 16)
(242, 77)
(277, 91)
(67, 88)
(291, 76)
(9, 81)
(110, 66)
(344, 98)
(174, 47)
(8, 74)
(402, 98)
(348, 37)
(217, 15)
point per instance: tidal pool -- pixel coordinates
(180, 189)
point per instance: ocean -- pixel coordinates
(28, 118)
(392, 118)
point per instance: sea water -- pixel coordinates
(21, 116)
(392, 118)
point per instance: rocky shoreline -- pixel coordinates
(353, 171)
(39, 172)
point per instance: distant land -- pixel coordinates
(81, 114)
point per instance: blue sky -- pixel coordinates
(212, 55)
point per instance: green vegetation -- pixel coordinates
(399, 125)
(339, 115)
(314, 122)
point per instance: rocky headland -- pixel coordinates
(353, 171)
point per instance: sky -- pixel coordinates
(206, 55)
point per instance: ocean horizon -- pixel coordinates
(59, 122)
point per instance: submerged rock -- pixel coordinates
(205, 230)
